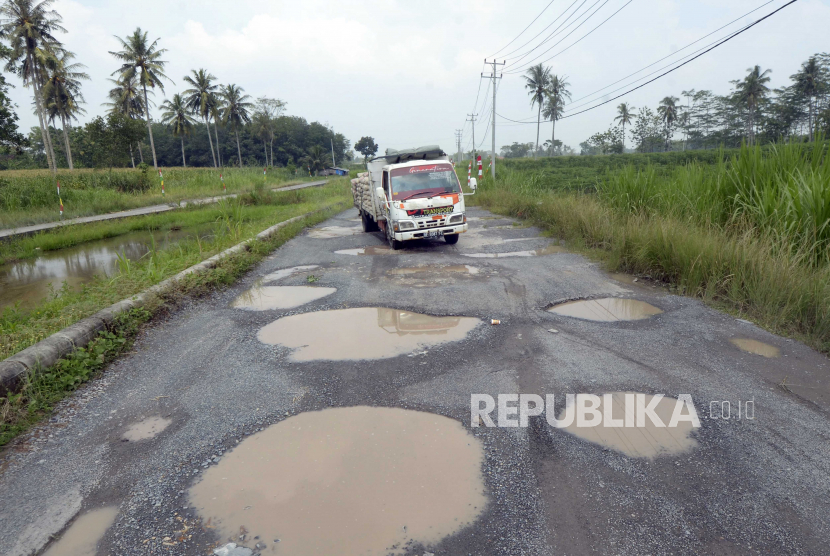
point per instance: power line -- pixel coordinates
(545, 29)
(575, 42)
(672, 54)
(523, 30)
(555, 32)
(727, 39)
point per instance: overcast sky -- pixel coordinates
(407, 73)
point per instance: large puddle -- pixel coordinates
(28, 280)
(549, 250)
(647, 441)
(362, 333)
(286, 272)
(327, 232)
(608, 309)
(146, 429)
(346, 481)
(81, 539)
(368, 251)
(755, 347)
(265, 298)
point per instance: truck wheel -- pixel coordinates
(452, 239)
(367, 224)
(394, 243)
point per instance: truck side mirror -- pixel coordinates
(473, 184)
(381, 195)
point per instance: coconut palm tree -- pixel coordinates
(808, 83)
(176, 117)
(201, 99)
(142, 59)
(29, 27)
(668, 114)
(750, 92)
(537, 79)
(127, 99)
(557, 96)
(315, 160)
(624, 117)
(236, 111)
(62, 92)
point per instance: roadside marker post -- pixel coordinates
(161, 178)
(222, 179)
(59, 197)
(469, 172)
(478, 159)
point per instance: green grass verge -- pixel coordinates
(30, 196)
(43, 388)
(233, 221)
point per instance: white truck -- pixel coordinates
(411, 194)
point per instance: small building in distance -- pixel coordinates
(334, 171)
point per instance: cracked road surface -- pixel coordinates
(212, 376)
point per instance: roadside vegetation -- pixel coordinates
(748, 232)
(233, 221)
(30, 196)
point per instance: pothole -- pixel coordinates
(362, 333)
(756, 347)
(264, 298)
(146, 429)
(357, 480)
(82, 537)
(328, 232)
(374, 250)
(285, 272)
(646, 441)
(549, 250)
(607, 309)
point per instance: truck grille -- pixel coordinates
(431, 223)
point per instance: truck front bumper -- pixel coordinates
(424, 233)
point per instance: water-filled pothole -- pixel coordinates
(646, 441)
(327, 232)
(265, 298)
(357, 480)
(146, 429)
(608, 309)
(82, 537)
(369, 251)
(285, 272)
(549, 250)
(362, 333)
(756, 347)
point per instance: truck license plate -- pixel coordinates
(434, 233)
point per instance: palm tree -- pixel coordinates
(29, 26)
(537, 81)
(176, 117)
(316, 158)
(127, 100)
(624, 117)
(62, 93)
(142, 59)
(668, 114)
(750, 92)
(557, 95)
(808, 84)
(216, 111)
(201, 99)
(236, 111)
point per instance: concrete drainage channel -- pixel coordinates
(60, 344)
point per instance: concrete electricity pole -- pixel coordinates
(473, 120)
(494, 77)
(458, 144)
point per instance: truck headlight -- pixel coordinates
(456, 219)
(405, 225)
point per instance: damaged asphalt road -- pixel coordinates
(205, 380)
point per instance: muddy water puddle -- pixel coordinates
(362, 333)
(146, 429)
(755, 347)
(549, 250)
(286, 272)
(608, 309)
(347, 481)
(328, 232)
(646, 441)
(266, 298)
(82, 537)
(368, 251)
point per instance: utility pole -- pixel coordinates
(333, 162)
(458, 133)
(473, 120)
(494, 77)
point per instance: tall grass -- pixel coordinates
(30, 196)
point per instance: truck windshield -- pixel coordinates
(414, 181)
